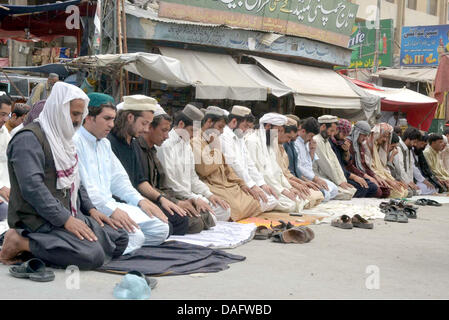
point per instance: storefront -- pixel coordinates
(223, 60)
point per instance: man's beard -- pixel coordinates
(132, 132)
(271, 137)
(239, 132)
(324, 134)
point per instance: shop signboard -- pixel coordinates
(421, 46)
(363, 44)
(328, 21)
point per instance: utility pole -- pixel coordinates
(376, 46)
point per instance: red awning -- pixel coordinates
(362, 84)
(420, 109)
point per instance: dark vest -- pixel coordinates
(20, 212)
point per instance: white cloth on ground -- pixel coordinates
(224, 235)
(368, 208)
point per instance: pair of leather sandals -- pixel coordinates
(346, 222)
(285, 233)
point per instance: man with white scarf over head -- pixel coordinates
(261, 146)
(50, 213)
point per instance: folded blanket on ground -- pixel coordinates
(224, 235)
(368, 208)
(173, 258)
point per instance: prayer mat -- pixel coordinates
(225, 235)
(273, 217)
(172, 258)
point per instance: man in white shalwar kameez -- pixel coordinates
(261, 146)
(5, 109)
(327, 165)
(177, 159)
(236, 155)
(104, 176)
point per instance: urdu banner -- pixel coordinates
(328, 21)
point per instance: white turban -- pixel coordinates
(120, 106)
(274, 119)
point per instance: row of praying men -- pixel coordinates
(88, 181)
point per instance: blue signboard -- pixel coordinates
(422, 45)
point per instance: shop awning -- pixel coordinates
(217, 76)
(409, 74)
(371, 104)
(275, 87)
(312, 86)
(420, 109)
(149, 66)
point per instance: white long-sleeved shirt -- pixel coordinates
(266, 161)
(4, 140)
(102, 173)
(237, 156)
(177, 159)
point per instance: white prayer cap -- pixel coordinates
(240, 111)
(294, 118)
(120, 106)
(159, 110)
(291, 122)
(139, 102)
(215, 111)
(273, 118)
(327, 119)
(226, 112)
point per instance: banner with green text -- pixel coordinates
(328, 21)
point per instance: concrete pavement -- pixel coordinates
(392, 261)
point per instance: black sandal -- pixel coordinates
(33, 269)
(262, 233)
(421, 202)
(433, 203)
(411, 213)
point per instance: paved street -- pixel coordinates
(404, 261)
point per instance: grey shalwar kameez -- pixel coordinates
(37, 212)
